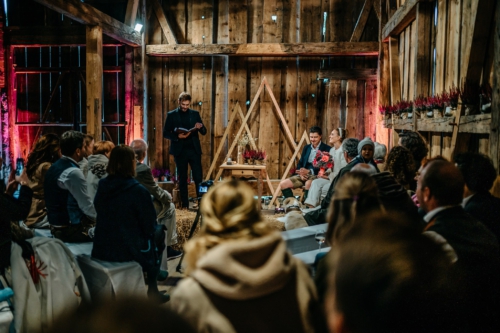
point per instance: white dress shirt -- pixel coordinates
(72, 179)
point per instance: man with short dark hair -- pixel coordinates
(70, 209)
(305, 168)
(479, 174)
(439, 190)
(182, 126)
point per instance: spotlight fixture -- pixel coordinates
(138, 27)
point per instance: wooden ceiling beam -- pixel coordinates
(348, 74)
(50, 36)
(361, 23)
(403, 16)
(265, 49)
(88, 15)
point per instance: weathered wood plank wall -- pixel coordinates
(439, 50)
(218, 83)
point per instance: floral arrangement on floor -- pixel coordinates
(161, 174)
(323, 160)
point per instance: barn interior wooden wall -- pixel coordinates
(299, 83)
(337, 61)
(309, 89)
(429, 47)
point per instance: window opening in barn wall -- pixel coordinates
(56, 76)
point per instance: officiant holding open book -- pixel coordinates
(181, 128)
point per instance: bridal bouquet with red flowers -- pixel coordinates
(323, 160)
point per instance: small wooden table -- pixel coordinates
(245, 171)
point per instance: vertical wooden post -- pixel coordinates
(129, 97)
(495, 105)
(422, 77)
(94, 81)
(395, 81)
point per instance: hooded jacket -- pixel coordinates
(249, 286)
(96, 171)
(126, 220)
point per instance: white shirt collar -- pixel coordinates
(430, 215)
(466, 200)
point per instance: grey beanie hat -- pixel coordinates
(364, 142)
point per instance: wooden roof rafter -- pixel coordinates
(403, 16)
(88, 15)
(265, 49)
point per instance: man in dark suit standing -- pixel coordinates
(305, 169)
(474, 248)
(185, 145)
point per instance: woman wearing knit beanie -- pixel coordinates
(366, 148)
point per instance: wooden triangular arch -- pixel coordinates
(304, 138)
(244, 126)
(236, 111)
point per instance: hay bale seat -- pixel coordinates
(186, 218)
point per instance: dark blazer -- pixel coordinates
(305, 156)
(145, 177)
(478, 265)
(486, 208)
(173, 121)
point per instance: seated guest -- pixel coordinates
(366, 150)
(319, 186)
(387, 277)
(379, 155)
(418, 148)
(162, 199)
(479, 174)
(305, 169)
(440, 189)
(12, 209)
(131, 315)
(241, 278)
(97, 164)
(45, 152)
(88, 146)
(350, 149)
(70, 210)
(401, 166)
(356, 194)
(495, 189)
(126, 219)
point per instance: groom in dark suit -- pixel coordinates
(305, 168)
(185, 146)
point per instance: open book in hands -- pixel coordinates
(182, 130)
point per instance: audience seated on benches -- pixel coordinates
(45, 152)
(479, 174)
(241, 278)
(97, 164)
(165, 208)
(70, 210)
(126, 220)
(388, 277)
(87, 148)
